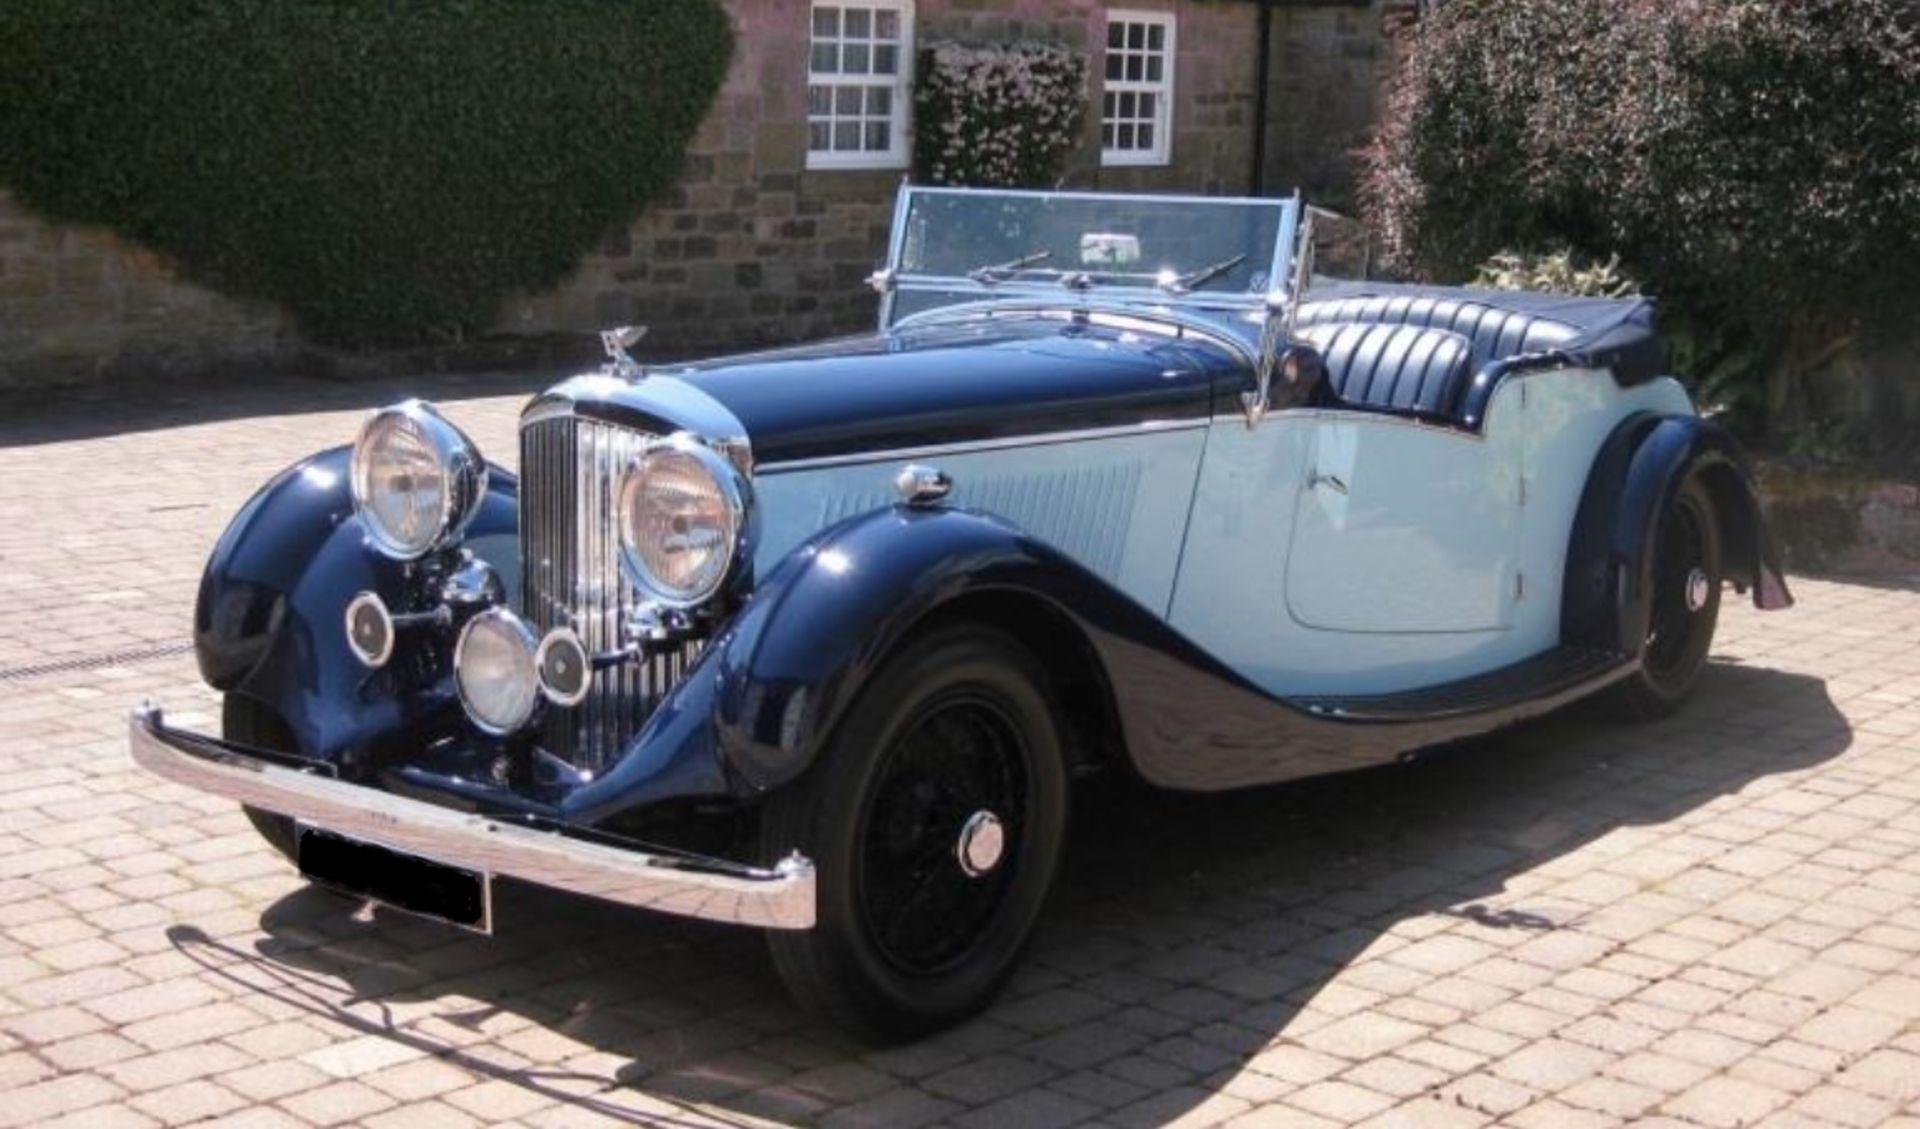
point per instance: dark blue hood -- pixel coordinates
(992, 378)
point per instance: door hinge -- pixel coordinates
(1519, 585)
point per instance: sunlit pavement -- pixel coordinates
(1714, 920)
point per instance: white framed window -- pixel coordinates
(1136, 100)
(859, 75)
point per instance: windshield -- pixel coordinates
(960, 245)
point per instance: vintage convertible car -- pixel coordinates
(815, 639)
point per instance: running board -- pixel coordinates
(1528, 688)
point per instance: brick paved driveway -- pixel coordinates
(1714, 920)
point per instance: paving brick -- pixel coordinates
(1726, 1102)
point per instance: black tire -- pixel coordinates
(248, 722)
(1680, 629)
(907, 941)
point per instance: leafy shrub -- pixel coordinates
(386, 171)
(1002, 116)
(1561, 272)
(1755, 162)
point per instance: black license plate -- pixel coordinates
(407, 882)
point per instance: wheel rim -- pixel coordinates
(940, 837)
(1682, 590)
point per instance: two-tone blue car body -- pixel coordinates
(814, 639)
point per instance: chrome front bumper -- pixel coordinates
(780, 897)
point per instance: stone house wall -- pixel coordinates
(754, 248)
(1327, 71)
(77, 304)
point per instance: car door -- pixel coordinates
(1402, 526)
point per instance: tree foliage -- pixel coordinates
(385, 171)
(1755, 162)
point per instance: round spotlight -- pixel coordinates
(495, 672)
(369, 630)
(566, 670)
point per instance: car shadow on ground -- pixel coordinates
(1188, 933)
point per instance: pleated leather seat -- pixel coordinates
(1403, 368)
(1491, 333)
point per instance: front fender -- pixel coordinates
(1638, 473)
(268, 621)
(822, 620)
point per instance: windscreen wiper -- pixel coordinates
(999, 272)
(1194, 280)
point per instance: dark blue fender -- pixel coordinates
(1641, 467)
(268, 622)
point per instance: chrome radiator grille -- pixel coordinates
(570, 567)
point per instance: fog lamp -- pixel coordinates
(495, 671)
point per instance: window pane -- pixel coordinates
(1145, 136)
(879, 101)
(819, 99)
(1136, 36)
(1106, 135)
(886, 59)
(826, 58)
(817, 136)
(886, 24)
(1116, 35)
(846, 137)
(859, 23)
(1156, 35)
(826, 23)
(1116, 66)
(1153, 68)
(846, 101)
(1126, 137)
(853, 58)
(1147, 102)
(1136, 68)
(877, 136)
(1107, 104)
(1126, 104)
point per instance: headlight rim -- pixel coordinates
(462, 468)
(527, 636)
(735, 490)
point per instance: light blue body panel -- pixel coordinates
(1442, 558)
(1430, 567)
(1117, 504)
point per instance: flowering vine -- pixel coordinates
(998, 116)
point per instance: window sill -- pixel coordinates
(855, 162)
(1124, 160)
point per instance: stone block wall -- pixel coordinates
(1326, 76)
(77, 304)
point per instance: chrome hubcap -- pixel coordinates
(983, 842)
(1698, 589)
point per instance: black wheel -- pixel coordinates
(1686, 607)
(247, 722)
(935, 817)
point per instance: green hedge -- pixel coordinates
(1755, 162)
(385, 169)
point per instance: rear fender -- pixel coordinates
(269, 619)
(1639, 471)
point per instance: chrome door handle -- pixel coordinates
(1330, 480)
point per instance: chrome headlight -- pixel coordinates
(683, 511)
(417, 480)
(495, 671)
